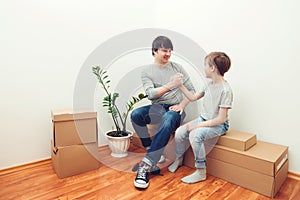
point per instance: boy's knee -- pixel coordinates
(180, 133)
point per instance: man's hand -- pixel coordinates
(175, 81)
(177, 108)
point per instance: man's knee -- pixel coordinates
(172, 117)
(135, 114)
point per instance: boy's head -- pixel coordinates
(220, 60)
(161, 42)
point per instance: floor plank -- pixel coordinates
(114, 180)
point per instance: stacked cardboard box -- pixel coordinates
(240, 159)
(75, 142)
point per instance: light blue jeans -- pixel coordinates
(202, 140)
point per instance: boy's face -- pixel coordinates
(162, 55)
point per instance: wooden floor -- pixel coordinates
(112, 181)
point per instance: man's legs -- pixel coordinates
(140, 117)
(170, 121)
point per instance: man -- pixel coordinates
(160, 81)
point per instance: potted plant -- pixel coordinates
(118, 139)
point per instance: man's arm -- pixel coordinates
(154, 93)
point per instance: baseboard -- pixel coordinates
(24, 166)
(293, 175)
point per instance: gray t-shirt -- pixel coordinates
(216, 96)
(154, 76)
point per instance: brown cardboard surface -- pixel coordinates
(70, 128)
(266, 158)
(73, 132)
(261, 183)
(75, 159)
(70, 114)
(237, 140)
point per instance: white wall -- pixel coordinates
(45, 43)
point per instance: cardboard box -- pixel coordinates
(264, 157)
(237, 140)
(75, 159)
(249, 179)
(262, 168)
(74, 127)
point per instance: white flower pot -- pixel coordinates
(119, 145)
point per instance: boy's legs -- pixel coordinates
(202, 141)
(181, 145)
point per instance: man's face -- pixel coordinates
(162, 55)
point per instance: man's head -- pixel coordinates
(161, 42)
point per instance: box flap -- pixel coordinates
(71, 114)
(74, 132)
(75, 159)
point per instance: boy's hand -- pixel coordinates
(175, 81)
(192, 126)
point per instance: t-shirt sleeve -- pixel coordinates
(226, 99)
(148, 86)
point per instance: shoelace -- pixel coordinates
(142, 173)
(155, 170)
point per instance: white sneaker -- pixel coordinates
(162, 159)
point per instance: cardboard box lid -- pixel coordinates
(71, 114)
(263, 157)
(237, 140)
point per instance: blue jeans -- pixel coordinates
(168, 121)
(201, 139)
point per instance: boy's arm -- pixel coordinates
(180, 107)
(189, 95)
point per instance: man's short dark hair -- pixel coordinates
(161, 42)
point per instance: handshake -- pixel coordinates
(175, 81)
